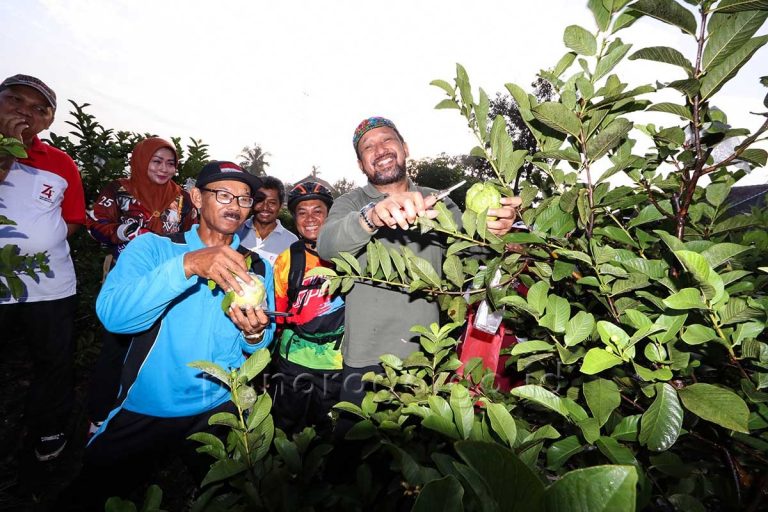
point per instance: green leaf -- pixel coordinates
(424, 270)
(560, 451)
(730, 36)
(509, 479)
(665, 55)
(453, 270)
(255, 364)
(718, 254)
(625, 19)
(718, 405)
(601, 13)
(590, 429)
(580, 40)
(352, 261)
(579, 328)
(616, 452)
(372, 254)
(689, 86)
(668, 11)
(661, 423)
(384, 260)
(597, 360)
(530, 346)
(687, 298)
(616, 233)
(541, 396)
(462, 82)
(537, 296)
(212, 369)
(557, 314)
(594, 489)
(502, 423)
(696, 334)
(445, 494)
(741, 5)
(716, 193)
(463, 410)
(609, 61)
(222, 470)
(481, 114)
(563, 64)
(608, 138)
(627, 428)
(558, 117)
(611, 334)
(708, 280)
(459, 246)
(602, 398)
(672, 108)
(756, 156)
(448, 88)
(715, 78)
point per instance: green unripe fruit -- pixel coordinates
(253, 295)
(483, 196)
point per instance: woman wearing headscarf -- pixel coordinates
(148, 201)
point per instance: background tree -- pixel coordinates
(504, 105)
(254, 160)
(444, 171)
(103, 154)
(342, 186)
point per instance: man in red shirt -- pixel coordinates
(44, 196)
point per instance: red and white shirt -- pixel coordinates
(42, 194)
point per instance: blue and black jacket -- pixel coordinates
(175, 320)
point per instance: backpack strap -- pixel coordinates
(296, 271)
(258, 266)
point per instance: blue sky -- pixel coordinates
(297, 76)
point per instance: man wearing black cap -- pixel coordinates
(43, 195)
(159, 293)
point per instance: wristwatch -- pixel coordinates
(364, 215)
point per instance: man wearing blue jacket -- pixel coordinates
(159, 292)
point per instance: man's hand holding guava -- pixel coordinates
(221, 264)
(504, 216)
(250, 320)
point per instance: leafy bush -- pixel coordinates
(646, 306)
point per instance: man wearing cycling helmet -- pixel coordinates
(307, 376)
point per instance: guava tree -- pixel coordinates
(646, 310)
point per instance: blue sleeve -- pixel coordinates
(269, 332)
(148, 276)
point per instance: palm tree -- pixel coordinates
(254, 160)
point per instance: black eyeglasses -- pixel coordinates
(224, 197)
